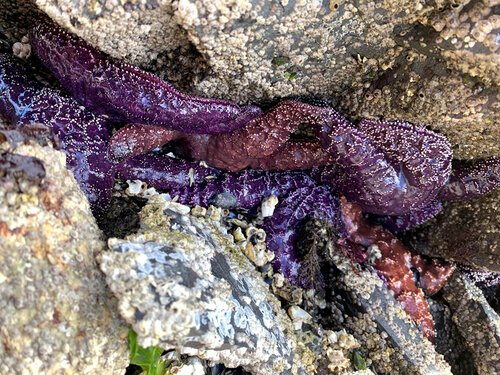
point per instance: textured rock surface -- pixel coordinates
(361, 304)
(467, 232)
(15, 16)
(56, 314)
(476, 321)
(182, 283)
(449, 341)
(432, 63)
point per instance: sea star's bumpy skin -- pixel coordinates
(83, 135)
(387, 168)
(395, 265)
(471, 179)
(299, 197)
(125, 93)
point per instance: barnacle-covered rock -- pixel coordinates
(476, 321)
(359, 302)
(443, 54)
(467, 232)
(449, 341)
(56, 313)
(182, 283)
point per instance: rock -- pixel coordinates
(268, 205)
(434, 63)
(478, 323)
(142, 33)
(298, 316)
(56, 313)
(15, 18)
(449, 342)
(182, 283)
(467, 232)
(193, 367)
(358, 301)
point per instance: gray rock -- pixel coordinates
(182, 283)
(466, 232)
(449, 341)
(360, 303)
(478, 323)
(56, 313)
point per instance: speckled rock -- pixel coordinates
(143, 33)
(56, 314)
(15, 17)
(426, 62)
(182, 283)
(360, 303)
(467, 232)
(449, 341)
(476, 321)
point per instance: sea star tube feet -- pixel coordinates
(126, 93)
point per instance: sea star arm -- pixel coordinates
(196, 184)
(395, 264)
(138, 139)
(393, 167)
(82, 134)
(165, 173)
(126, 93)
(471, 179)
(413, 219)
(261, 144)
(294, 155)
(265, 136)
(282, 228)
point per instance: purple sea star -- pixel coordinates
(127, 94)
(388, 168)
(83, 135)
(193, 184)
(300, 197)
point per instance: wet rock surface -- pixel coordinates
(476, 321)
(182, 283)
(432, 63)
(467, 232)
(358, 301)
(449, 341)
(56, 314)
